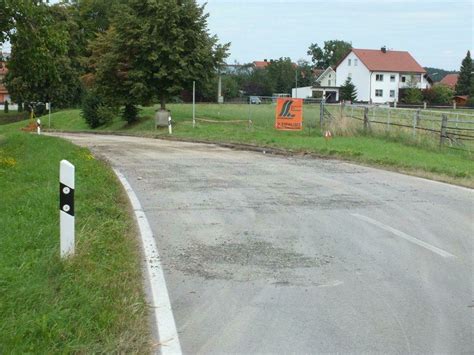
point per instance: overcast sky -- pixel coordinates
(437, 33)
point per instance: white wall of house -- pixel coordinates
(328, 78)
(353, 67)
(302, 93)
(384, 86)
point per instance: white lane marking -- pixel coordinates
(163, 313)
(405, 236)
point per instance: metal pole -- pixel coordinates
(296, 80)
(66, 208)
(49, 115)
(194, 104)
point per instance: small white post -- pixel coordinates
(424, 105)
(66, 208)
(170, 129)
(194, 104)
(38, 126)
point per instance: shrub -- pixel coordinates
(412, 96)
(130, 113)
(439, 94)
(5, 107)
(94, 111)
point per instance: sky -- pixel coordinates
(437, 33)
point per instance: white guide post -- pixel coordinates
(38, 126)
(170, 129)
(66, 208)
(194, 104)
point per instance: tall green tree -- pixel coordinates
(330, 54)
(282, 75)
(40, 66)
(463, 86)
(152, 50)
(348, 90)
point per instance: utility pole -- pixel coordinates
(296, 80)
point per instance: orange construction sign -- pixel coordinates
(289, 114)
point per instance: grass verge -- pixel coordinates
(394, 152)
(92, 303)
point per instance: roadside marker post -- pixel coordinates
(170, 129)
(66, 208)
(38, 126)
(194, 104)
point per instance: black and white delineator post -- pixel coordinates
(66, 208)
(38, 126)
(170, 128)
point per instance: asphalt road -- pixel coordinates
(266, 254)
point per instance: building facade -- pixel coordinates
(378, 75)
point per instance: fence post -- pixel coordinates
(444, 124)
(424, 105)
(414, 123)
(388, 119)
(321, 113)
(366, 118)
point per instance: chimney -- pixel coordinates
(384, 49)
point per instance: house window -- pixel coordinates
(392, 78)
(379, 93)
(392, 93)
(379, 77)
(329, 82)
(355, 62)
(404, 79)
(349, 62)
(329, 75)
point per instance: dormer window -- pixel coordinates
(349, 62)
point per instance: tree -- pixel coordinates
(153, 50)
(40, 66)
(282, 75)
(348, 91)
(463, 86)
(332, 52)
(305, 73)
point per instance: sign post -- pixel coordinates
(289, 114)
(66, 208)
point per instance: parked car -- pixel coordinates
(255, 100)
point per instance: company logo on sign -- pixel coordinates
(289, 114)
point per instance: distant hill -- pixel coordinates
(438, 74)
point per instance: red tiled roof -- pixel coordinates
(394, 61)
(260, 64)
(450, 80)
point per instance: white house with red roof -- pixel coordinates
(378, 75)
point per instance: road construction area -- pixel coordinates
(282, 254)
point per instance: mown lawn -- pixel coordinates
(395, 152)
(91, 303)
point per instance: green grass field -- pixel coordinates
(91, 303)
(394, 151)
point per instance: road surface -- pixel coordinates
(266, 254)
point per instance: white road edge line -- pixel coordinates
(161, 305)
(405, 236)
